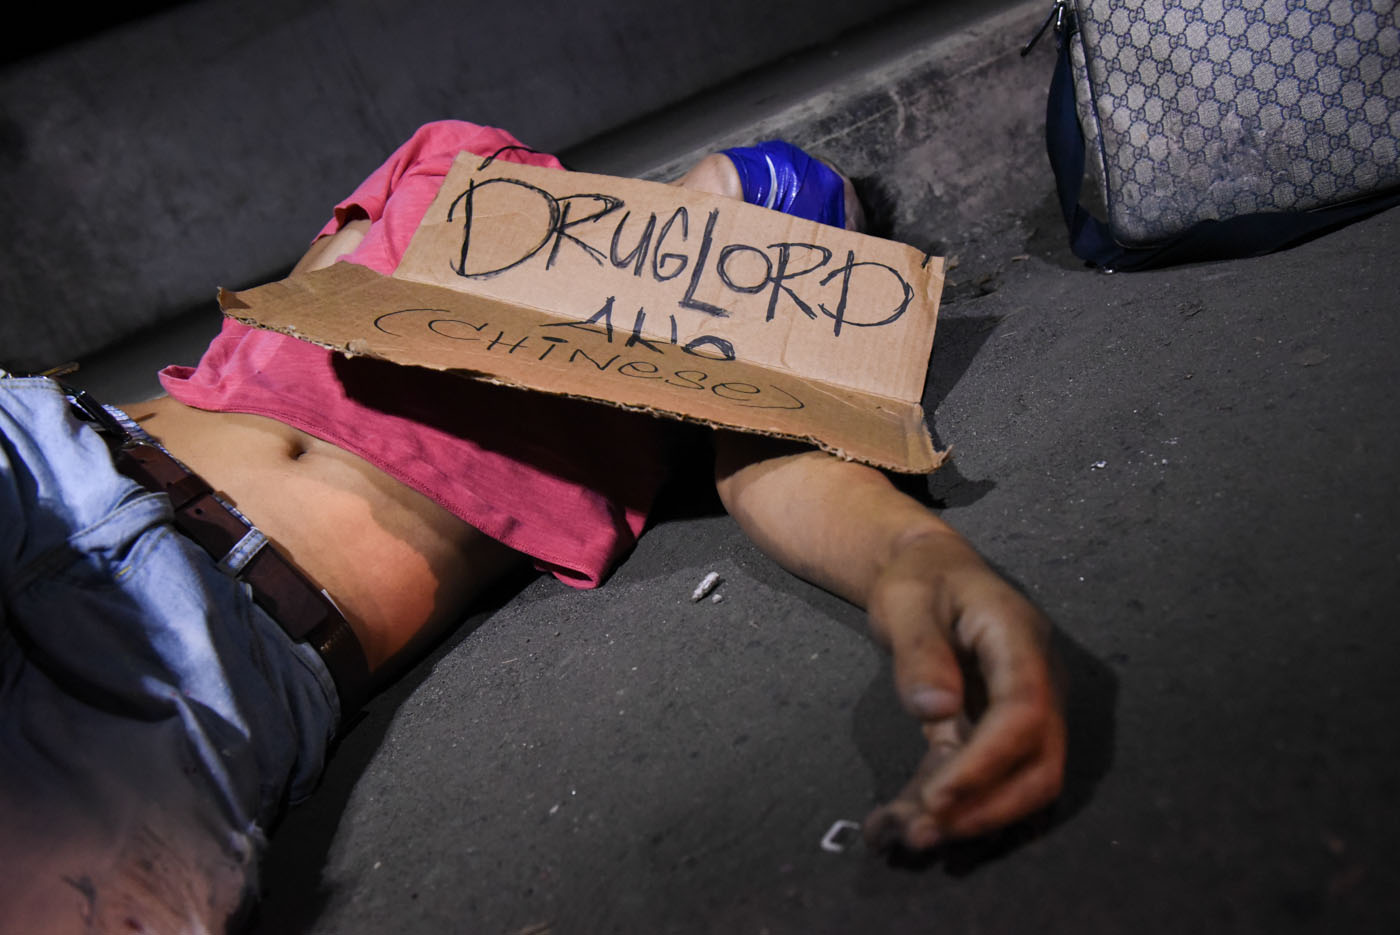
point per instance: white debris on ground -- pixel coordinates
(716, 598)
(840, 835)
(706, 585)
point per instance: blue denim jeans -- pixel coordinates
(153, 719)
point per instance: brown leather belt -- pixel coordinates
(300, 608)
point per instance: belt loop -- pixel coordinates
(243, 552)
(304, 611)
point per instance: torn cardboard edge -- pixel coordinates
(678, 303)
(358, 312)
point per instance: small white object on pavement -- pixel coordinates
(836, 836)
(706, 585)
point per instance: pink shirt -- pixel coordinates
(567, 482)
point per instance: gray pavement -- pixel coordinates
(1193, 472)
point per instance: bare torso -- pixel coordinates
(399, 566)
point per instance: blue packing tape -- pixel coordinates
(778, 175)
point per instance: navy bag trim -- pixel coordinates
(1244, 236)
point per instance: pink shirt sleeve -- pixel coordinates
(413, 175)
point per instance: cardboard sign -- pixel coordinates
(646, 296)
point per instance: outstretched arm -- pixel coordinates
(932, 601)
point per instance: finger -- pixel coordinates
(1022, 721)
(1015, 752)
(903, 822)
(926, 672)
(1033, 791)
(1030, 789)
(904, 819)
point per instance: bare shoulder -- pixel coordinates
(714, 174)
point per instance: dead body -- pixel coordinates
(839, 524)
(402, 568)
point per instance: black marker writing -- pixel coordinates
(601, 323)
(795, 275)
(442, 325)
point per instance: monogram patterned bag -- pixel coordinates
(1251, 124)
